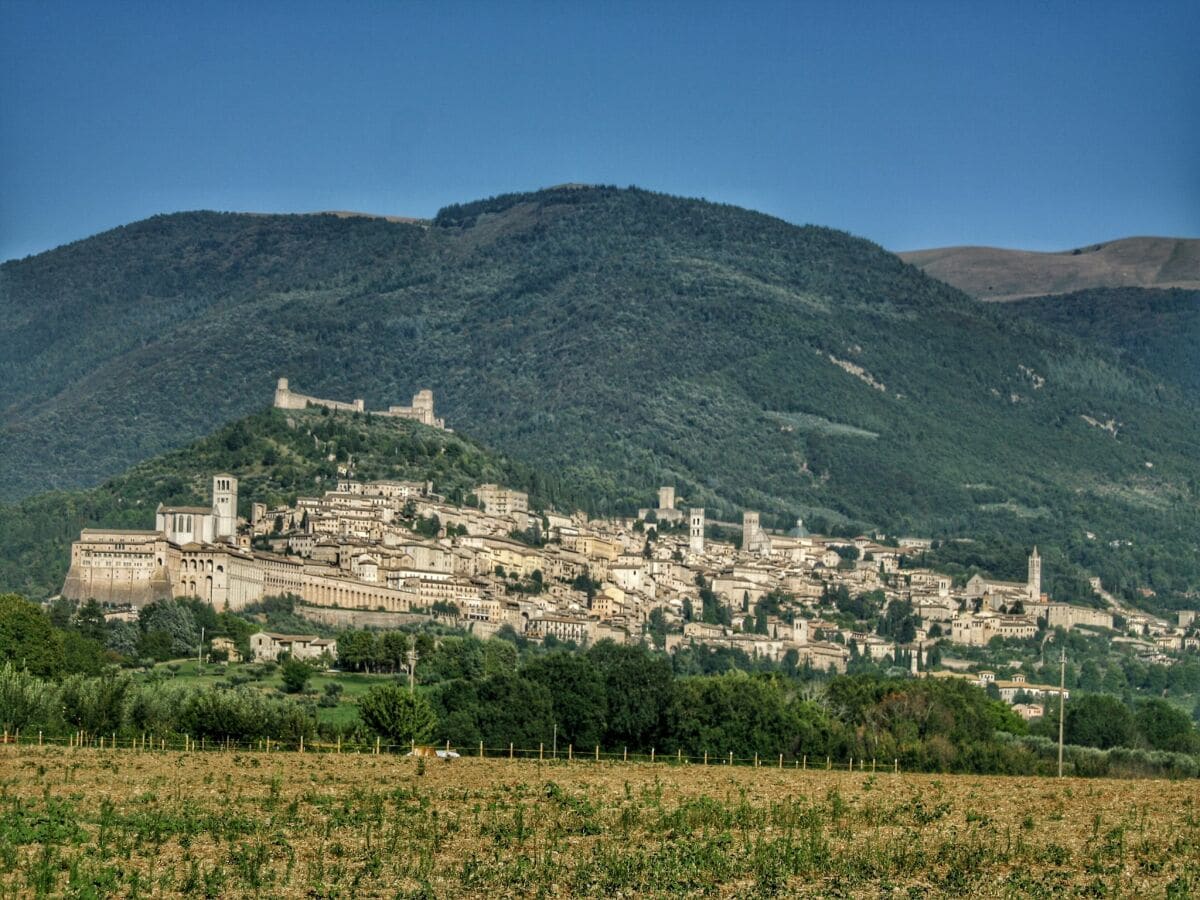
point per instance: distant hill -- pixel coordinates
(990, 273)
(275, 455)
(1156, 329)
(614, 340)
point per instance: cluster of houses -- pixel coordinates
(384, 553)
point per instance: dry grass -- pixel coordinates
(99, 823)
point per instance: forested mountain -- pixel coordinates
(614, 340)
(1157, 329)
(276, 456)
(992, 273)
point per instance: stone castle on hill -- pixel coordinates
(420, 411)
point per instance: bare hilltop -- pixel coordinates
(997, 274)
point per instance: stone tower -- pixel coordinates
(666, 498)
(1035, 576)
(749, 531)
(225, 507)
(696, 530)
(422, 404)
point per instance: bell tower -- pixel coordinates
(696, 530)
(225, 507)
(750, 530)
(1035, 576)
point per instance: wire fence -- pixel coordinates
(177, 743)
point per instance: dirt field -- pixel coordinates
(100, 823)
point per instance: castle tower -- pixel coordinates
(1035, 575)
(422, 404)
(749, 531)
(225, 507)
(282, 394)
(666, 498)
(696, 530)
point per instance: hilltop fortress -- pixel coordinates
(420, 411)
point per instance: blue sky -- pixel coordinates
(1042, 125)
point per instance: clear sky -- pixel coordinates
(1031, 124)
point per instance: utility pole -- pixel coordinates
(412, 664)
(1062, 712)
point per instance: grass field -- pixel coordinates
(92, 823)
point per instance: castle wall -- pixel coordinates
(285, 398)
(359, 618)
(1065, 616)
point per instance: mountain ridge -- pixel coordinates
(1003, 274)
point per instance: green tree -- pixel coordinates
(295, 674)
(396, 715)
(27, 639)
(89, 621)
(577, 695)
(1099, 720)
(1165, 727)
(26, 701)
(123, 638)
(97, 705)
(358, 651)
(637, 686)
(656, 627)
(173, 618)
(513, 709)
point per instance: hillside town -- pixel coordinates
(385, 553)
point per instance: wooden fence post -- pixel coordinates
(625, 755)
(731, 757)
(679, 755)
(541, 752)
(301, 743)
(706, 757)
(570, 752)
(597, 753)
(651, 754)
(781, 760)
(481, 749)
(510, 751)
(339, 743)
